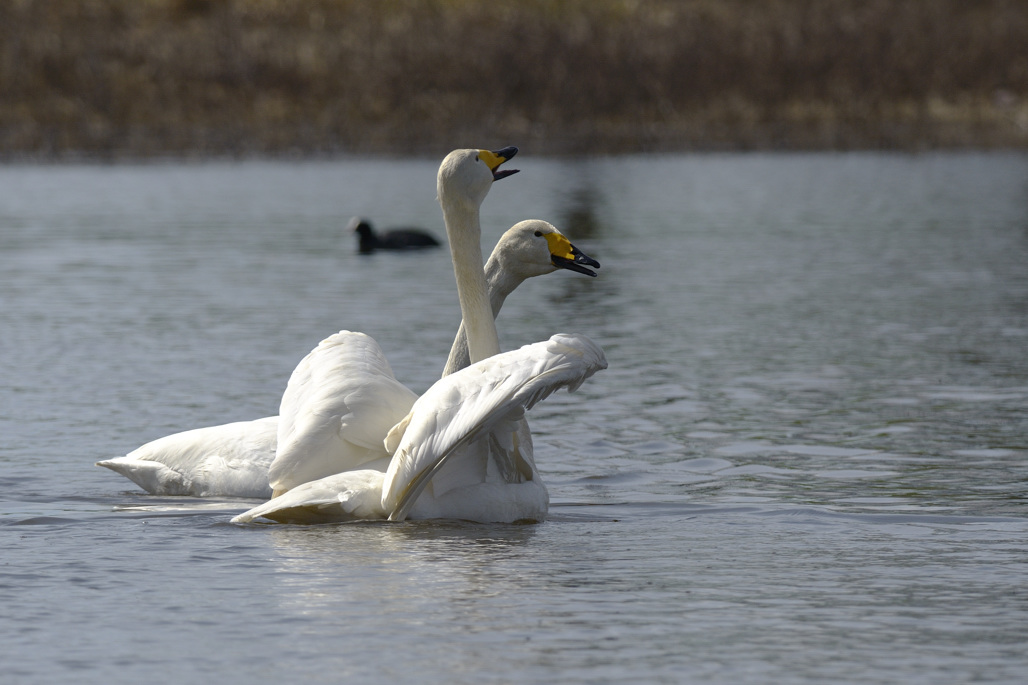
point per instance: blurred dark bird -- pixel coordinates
(395, 239)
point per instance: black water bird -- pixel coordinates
(394, 239)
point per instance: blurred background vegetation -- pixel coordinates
(135, 78)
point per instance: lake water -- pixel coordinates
(807, 462)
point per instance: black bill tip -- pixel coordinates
(504, 173)
(507, 154)
(579, 263)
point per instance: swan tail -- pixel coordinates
(152, 476)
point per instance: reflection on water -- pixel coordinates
(579, 217)
(449, 548)
(805, 463)
(390, 564)
(657, 592)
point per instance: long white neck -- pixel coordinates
(500, 284)
(464, 231)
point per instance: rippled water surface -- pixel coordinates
(805, 464)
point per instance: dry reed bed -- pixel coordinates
(196, 77)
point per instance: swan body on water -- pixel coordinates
(446, 456)
(232, 460)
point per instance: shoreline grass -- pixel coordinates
(195, 78)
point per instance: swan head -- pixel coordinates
(465, 176)
(535, 247)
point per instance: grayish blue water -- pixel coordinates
(805, 464)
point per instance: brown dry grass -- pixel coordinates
(198, 77)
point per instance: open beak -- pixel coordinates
(578, 262)
(494, 158)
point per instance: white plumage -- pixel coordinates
(229, 460)
(340, 402)
(464, 450)
(464, 423)
(232, 460)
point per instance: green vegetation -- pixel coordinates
(115, 78)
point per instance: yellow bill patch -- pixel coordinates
(559, 246)
(491, 160)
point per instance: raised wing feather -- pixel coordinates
(354, 495)
(466, 405)
(341, 399)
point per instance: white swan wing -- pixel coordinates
(341, 399)
(486, 398)
(230, 460)
(351, 496)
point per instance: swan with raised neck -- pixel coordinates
(464, 180)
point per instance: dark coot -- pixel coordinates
(393, 239)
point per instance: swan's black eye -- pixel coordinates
(538, 234)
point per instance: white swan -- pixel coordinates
(445, 455)
(459, 452)
(232, 460)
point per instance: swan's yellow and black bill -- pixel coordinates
(494, 158)
(564, 255)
